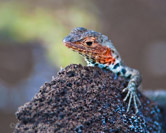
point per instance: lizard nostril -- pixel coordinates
(89, 43)
(67, 39)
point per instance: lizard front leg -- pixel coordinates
(134, 82)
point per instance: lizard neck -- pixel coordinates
(117, 67)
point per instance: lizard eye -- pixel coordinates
(89, 43)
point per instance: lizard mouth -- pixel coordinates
(75, 46)
(98, 54)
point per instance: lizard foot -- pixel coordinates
(131, 94)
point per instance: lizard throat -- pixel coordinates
(102, 60)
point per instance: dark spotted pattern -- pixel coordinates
(123, 70)
(116, 66)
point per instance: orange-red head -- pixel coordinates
(92, 45)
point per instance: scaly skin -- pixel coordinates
(99, 51)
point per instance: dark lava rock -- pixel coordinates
(86, 100)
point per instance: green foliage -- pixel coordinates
(20, 23)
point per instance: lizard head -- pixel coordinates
(94, 46)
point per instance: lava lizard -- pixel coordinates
(99, 51)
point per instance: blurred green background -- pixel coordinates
(31, 48)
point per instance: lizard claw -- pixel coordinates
(131, 94)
